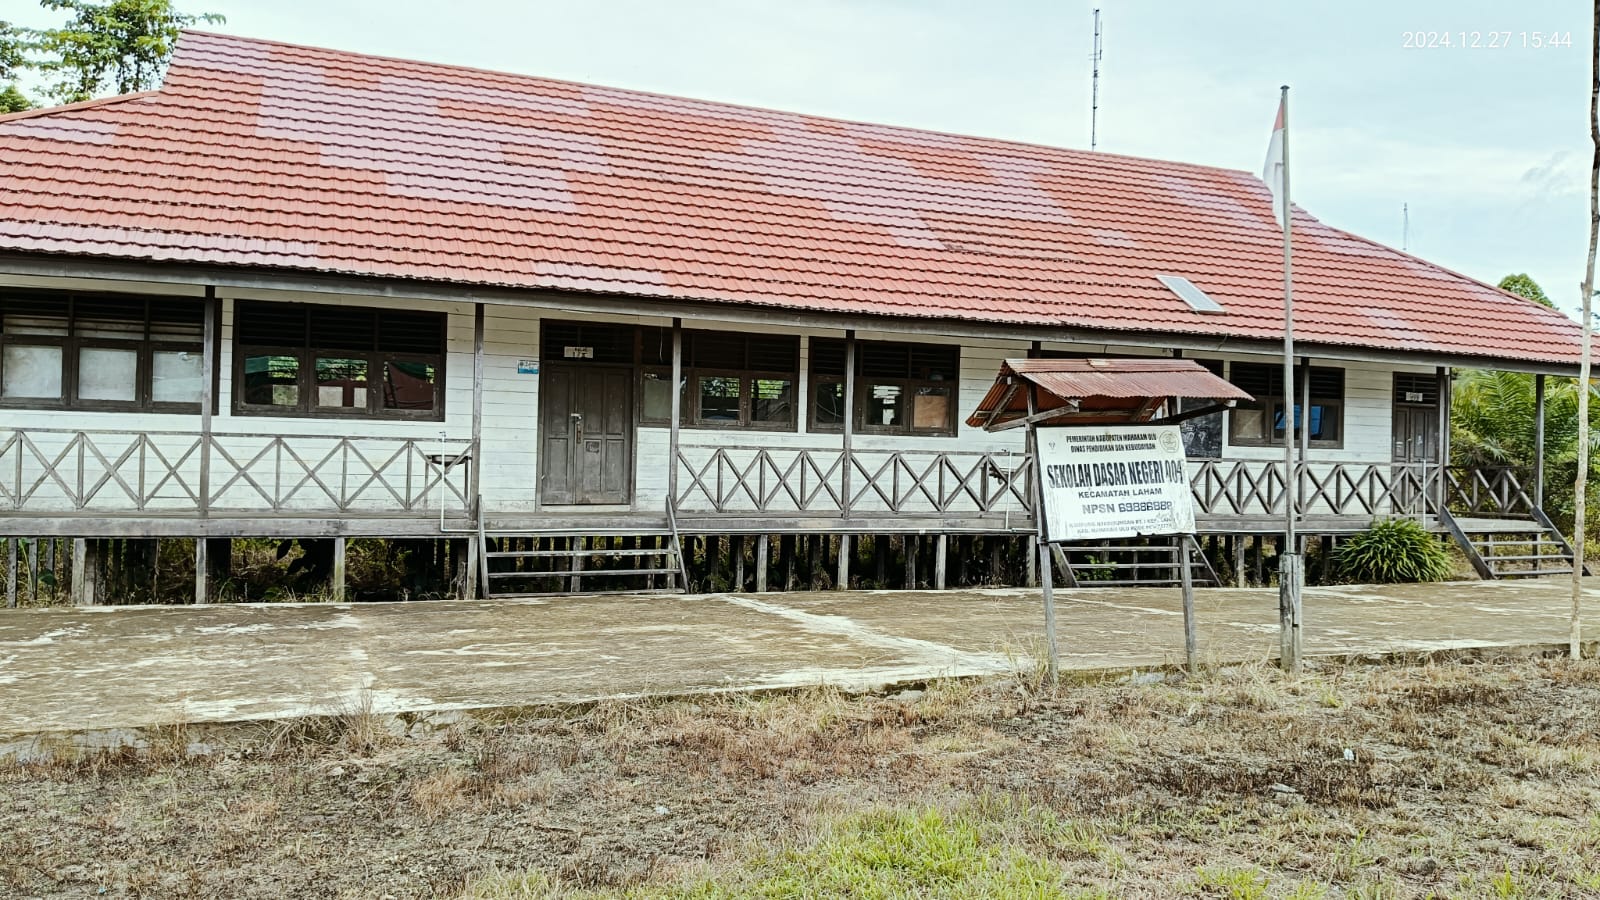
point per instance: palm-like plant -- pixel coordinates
(1493, 423)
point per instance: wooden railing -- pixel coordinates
(54, 471)
(1491, 492)
(1258, 488)
(745, 480)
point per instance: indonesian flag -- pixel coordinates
(1272, 171)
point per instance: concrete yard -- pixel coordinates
(132, 667)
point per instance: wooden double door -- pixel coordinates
(586, 434)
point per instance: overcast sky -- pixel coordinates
(1488, 146)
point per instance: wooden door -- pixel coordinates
(1416, 454)
(586, 435)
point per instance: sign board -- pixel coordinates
(577, 352)
(1413, 396)
(1114, 482)
(527, 367)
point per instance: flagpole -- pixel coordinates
(1291, 572)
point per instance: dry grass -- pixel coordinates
(1445, 780)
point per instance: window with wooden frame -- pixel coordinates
(901, 388)
(730, 380)
(1202, 435)
(113, 353)
(1260, 422)
(293, 359)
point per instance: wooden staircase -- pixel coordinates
(535, 563)
(1512, 548)
(1154, 563)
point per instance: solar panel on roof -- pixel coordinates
(1197, 299)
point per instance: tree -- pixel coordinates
(118, 46)
(13, 100)
(1523, 286)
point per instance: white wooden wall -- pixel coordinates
(509, 464)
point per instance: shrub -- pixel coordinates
(1392, 551)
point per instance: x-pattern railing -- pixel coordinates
(738, 480)
(1487, 491)
(56, 470)
(1251, 487)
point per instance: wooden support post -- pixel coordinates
(86, 571)
(786, 554)
(909, 546)
(940, 561)
(1030, 573)
(1538, 440)
(849, 424)
(996, 560)
(763, 550)
(208, 397)
(202, 571)
(676, 413)
(738, 562)
(1041, 546)
(33, 570)
(337, 581)
(963, 556)
(880, 560)
(1186, 579)
(814, 562)
(575, 583)
(1291, 576)
(842, 580)
(11, 572)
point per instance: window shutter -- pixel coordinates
(342, 328)
(884, 360)
(1327, 384)
(827, 356)
(410, 332)
(275, 324)
(180, 321)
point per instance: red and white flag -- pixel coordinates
(1272, 171)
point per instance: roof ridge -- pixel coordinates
(983, 139)
(74, 107)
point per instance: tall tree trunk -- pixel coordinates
(1575, 632)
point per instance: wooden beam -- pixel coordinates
(202, 572)
(1186, 415)
(1036, 418)
(940, 561)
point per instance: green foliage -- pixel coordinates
(11, 50)
(1393, 551)
(892, 854)
(13, 100)
(1493, 423)
(118, 46)
(1523, 286)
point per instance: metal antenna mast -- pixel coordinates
(1405, 226)
(1094, 102)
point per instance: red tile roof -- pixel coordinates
(262, 154)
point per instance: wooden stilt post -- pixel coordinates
(1186, 579)
(940, 561)
(996, 560)
(763, 551)
(1538, 440)
(842, 580)
(738, 561)
(338, 570)
(11, 572)
(880, 560)
(33, 570)
(1030, 574)
(909, 545)
(86, 571)
(202, 571)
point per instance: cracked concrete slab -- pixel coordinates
(135, 667)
